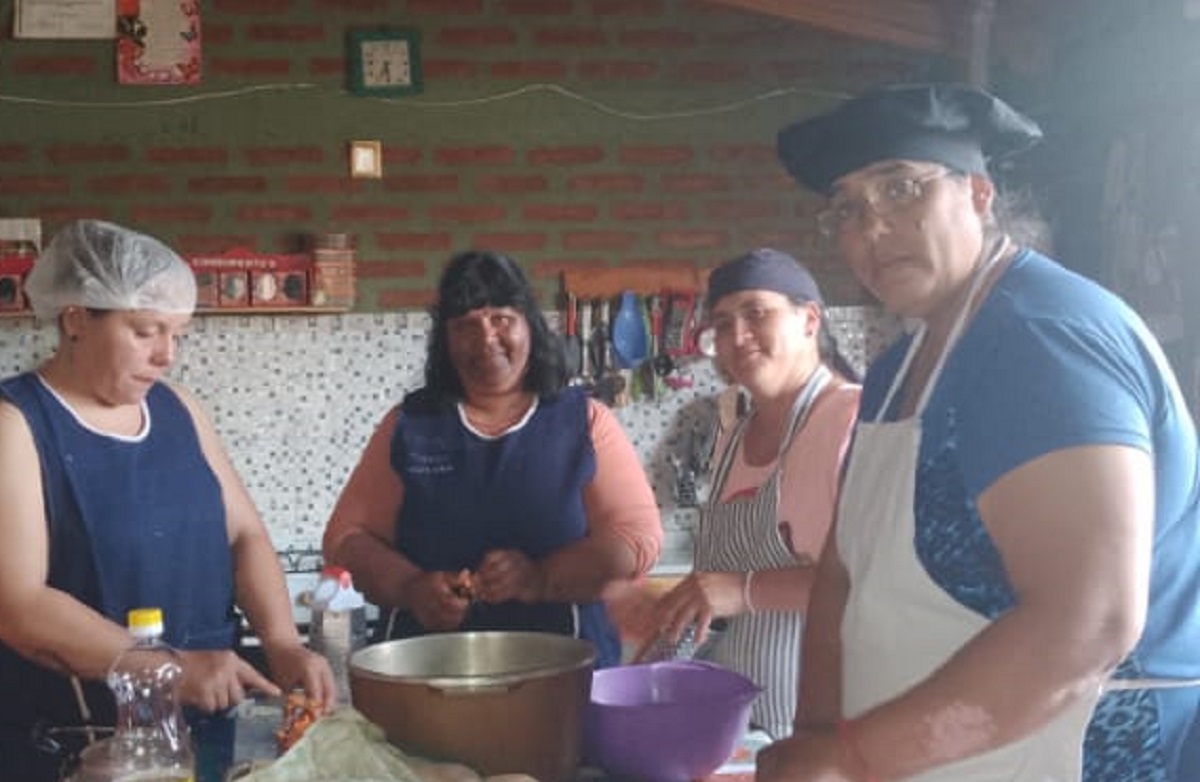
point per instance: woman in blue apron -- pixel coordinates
(117, 496)
(1010, 590)
(774, 487)
(494, 497)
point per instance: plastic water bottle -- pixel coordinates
(339, 624)
(151, 742)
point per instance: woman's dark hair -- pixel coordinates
(479, 278)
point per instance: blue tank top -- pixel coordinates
(465, 495)
(131, 522)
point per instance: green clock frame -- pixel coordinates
(356, 76)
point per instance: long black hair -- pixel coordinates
(480, 278)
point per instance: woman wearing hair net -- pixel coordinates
(118, 494)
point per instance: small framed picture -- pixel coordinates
(366, 160)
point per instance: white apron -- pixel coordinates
(899, 626)
(744, 535)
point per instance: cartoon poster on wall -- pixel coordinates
(158, 41)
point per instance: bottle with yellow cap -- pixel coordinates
(151, 742)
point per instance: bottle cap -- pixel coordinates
(145, 622)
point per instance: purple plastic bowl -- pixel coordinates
(666, 722)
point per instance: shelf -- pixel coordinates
(208, 311)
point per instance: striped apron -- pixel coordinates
(744, 535)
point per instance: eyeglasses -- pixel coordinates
(883, 197)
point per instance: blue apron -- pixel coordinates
(465, 495)
(131, 523)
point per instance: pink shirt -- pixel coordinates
(811, 471)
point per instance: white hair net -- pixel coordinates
(91, 263)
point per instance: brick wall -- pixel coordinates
(625, 158)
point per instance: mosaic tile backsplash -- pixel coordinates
(295, 398)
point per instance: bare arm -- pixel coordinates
(1074, 529)
(820, 700)
(360, 532)
(259, 583)
(624, 531)
(45, 624)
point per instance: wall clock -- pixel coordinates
(384, 62)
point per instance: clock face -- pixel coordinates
(386, 63)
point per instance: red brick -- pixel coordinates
(468, 213)
(574, 37)
(599, 240)
(529, 71)
(655, 155)
(627, 7)
(171, 213)
(741, 210)
(71, 154)
(662, 261)
(562, 212)
(217, 34)
(315, 183)
(658, 39)
(406, 299)
(327, 66)
(714, 72)
(449, 69)
(249, 66)
(129, 183)
(286, 33)
(389, 270)
(773, 237)
(370, 213)
(474, 156)
(512, 183)
(695, 183)
(606, 183)
(395, 156)
(618, 70)
(776, 38)
(651, 211)
(227, 184)
(536, 7)
(353, 6)
(422, 183)
(564, 156)
(274, 213)
(556, 266)
(255, 7)
(791, 71)
(30, 185)
(54, 216)
(693, 240)
(446, 7)
(471, 37)
(177, 155)
(413, 241)
(283, 156)
(196, 244)
(14, 153)
(509, 242)
(30, 65)
(744, 154)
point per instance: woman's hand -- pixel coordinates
(294, 665)
(805, 757)
(694, 602)
(507, 574)
(217, 680)
(433, 598)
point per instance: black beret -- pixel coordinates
(959, 126)
(763, 269)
